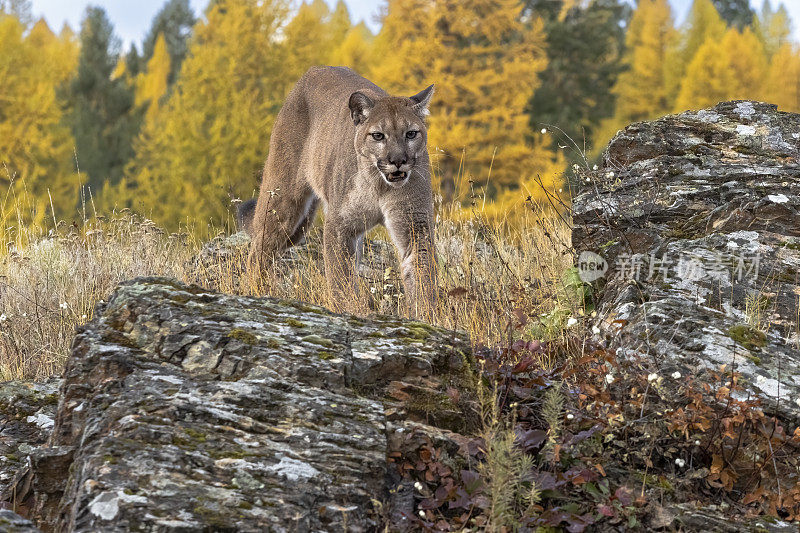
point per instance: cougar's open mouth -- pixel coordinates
(398, 175)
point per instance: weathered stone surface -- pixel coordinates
(705, 204)
(188, 410)
(717, 519)
(27, 413)
(13, 523)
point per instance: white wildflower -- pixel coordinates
(697, 442)
(609, 174)
(676, 375)
(594, 167)
(63, 305)
(680, 462)
(760, 379)
(418, 486)
(575, 167)
(595, 330)
(652, 377)
(571, 322)
(3, 317)
(609, 379)
(544, 130)
(83, 317)
(570, 416)
(422, 514)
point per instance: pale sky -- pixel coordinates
(132, 19)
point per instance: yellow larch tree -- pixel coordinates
(703, 24)
(356, 49)
(732, 68)
(306, 40)
(315, 35)
(641, 90)
(36, 147)
(782, 86)
(207, 144)
(152, 84)
(708, 78)
(747, 62)
(485, 63)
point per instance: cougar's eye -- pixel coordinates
(411, 134)
(378, 136)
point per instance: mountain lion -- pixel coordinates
(342, 141)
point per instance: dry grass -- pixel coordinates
(51, 279)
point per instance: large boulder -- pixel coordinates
(186, 410)
(697, 216)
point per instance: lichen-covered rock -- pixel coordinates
(11, 522)
(27, 412)
(698, 218)
(186, 410)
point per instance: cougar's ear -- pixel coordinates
(422, 100)
(360, 105)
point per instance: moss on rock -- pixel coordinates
(748, 337)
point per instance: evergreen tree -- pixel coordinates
(774, 28)
(584, 51)
(641, 90)
(174, 21)
(736, 13)
(35, 145)
(210, 139)
(782, 86)
(547, 10)
(20, 9)
(133, 61)
(102, 117)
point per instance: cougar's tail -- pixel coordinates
(244, 215)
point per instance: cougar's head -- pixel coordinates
(391, 132)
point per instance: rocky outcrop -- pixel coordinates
(697, 217)
(185, 410)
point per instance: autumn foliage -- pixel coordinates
(180, 130)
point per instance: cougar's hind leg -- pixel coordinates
(283, 194)
(279, 214)
(305, 222)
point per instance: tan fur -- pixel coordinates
(324, 150)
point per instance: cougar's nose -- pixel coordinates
(398, 161)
